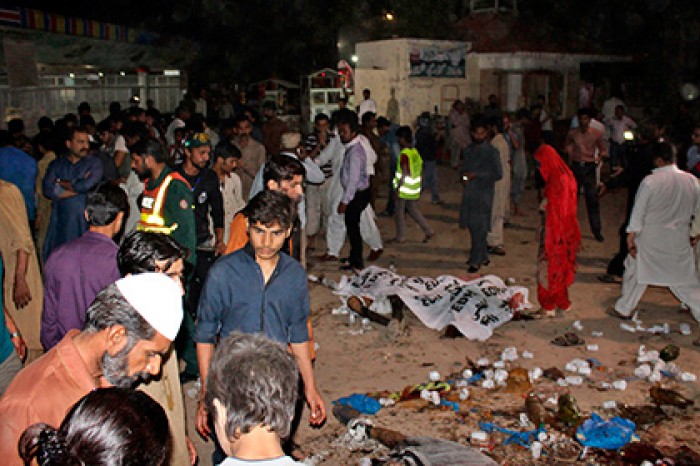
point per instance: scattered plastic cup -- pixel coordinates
(527, 355)
(596, 334)
(592, 347)
(483, 362)
(574, 379)
(500, 376)
(643, 371)
(584, 370)
(524, 420)
(685, 329)
(536, 450)
(610, 404)
(499, 364)
(620, 385)
(434, 376)
(480, 438)
(627, 328)
(489, 384)
(535, 374)
(562, 382)
(464, 394)
(688, 377)
(510, 354)
(571, 367)
(655, 377)
(577, 325)
(467, 373)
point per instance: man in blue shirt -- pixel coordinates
(258, 289)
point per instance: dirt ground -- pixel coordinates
(350, 362)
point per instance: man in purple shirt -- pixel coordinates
(76, 271)
(355, 182)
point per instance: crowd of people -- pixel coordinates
(140, 253)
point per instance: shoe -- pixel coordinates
(327, 258)
(395, 240)
(428, 237)
(611, 311)
(599, 237)
(375, 254)
(609, 278)
(473, 269)
(386, 213)
(486, 263)
(497, 250)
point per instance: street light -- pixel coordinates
(354, 59)
(389, 16)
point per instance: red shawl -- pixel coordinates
(562, 234)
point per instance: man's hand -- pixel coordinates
(220, 248)
(694, 240)
(20, 293)
(631, 245)
(202, 420)
(191, 450)
(342, 207)
(20, 346)
(317, 415)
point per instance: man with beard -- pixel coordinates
(252, 153)
(166, 204)
(129, 327)
(481, 168)
(68, 180)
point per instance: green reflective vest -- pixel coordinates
(410, 189)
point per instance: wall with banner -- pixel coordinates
(438, 62)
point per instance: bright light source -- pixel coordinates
(354, 59)
(389, 16)
(71, 75)
(122, 73)
(171, 72)
(628, 135)
(101, 74)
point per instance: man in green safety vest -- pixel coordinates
(407, 183)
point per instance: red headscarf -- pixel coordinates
(562, 234)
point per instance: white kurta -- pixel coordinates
(335, 227)
(663, 208)
(232, 194)
(501, 198)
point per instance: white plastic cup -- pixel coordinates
(524, 420)
(488, 374)
(562, 382)
(685, 329)
(577, 325)
(535, 374)
(536, 450)
(499, 364)
(467, 373)
(688, 377)
(584, 370)
(500, 376)
(571, 367)
(489, 384)
(464, 394)
(352, 318)
(527, 355)
(596, 334)
(620, 385)
(510, 354)
(655, 377)
(643, 371)
(434, 376)
(574, 379)
(592, 347)
(483, 362)
(479, 436)
(610, 404)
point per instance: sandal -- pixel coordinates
(612, 312)
(568, 339)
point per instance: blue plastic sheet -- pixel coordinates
(524, 439)
(362, 403)
(610, 435)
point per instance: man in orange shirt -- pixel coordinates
(128, 329)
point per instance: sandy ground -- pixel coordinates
(369, 362)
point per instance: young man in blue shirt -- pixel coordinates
(258, 289)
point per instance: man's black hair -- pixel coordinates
(45, 123)
(228, 123)
(282, 167)
(589, 112)
(150, 147)
(405, 133)
(87, 120)
(6, 138)
(84, 106)
(140, 250)
(104, 203)
(70, 132)
(479, 121)
(270, 207)
(115, 108)
(382, 122)
(348, 117)
(496, 122)
(239, 119)
(321, 117)
(15, 126)
(225, 150)
(269, 105)
(367, 117)
(133, 129)
(662, 150)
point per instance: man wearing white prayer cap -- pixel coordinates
(129, 327)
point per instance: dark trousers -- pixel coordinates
(352, 224)
(391, 202)
(585, 174)
(185, 342)
(616, 266)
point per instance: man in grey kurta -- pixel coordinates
(481, 168)
(658, 235)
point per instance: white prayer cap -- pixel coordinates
(157, 298)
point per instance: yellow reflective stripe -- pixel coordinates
(412, 180)
(160, 198)
(406, 190)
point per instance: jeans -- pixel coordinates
(430, 179)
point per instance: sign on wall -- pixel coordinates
(438, 62)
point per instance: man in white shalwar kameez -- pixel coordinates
(658, 236)
(501, 198)
(335, 226)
